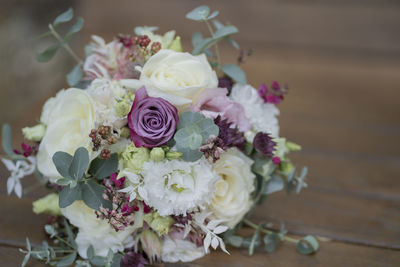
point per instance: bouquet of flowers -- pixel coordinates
(154, 154)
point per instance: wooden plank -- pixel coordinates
(336, 214)
(330, 254)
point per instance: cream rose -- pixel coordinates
(97, 232)
(69, 117)
(233, 196)
(177, 77)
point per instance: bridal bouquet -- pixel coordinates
(154, 154)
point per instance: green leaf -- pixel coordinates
(75, 75)
(92, 195)
(101, 168)
(217, 24)
(197, 38)
(189, 154)
(70, 234)
(207, 128)
(90, 252)
(26, 259)
(225, 31)
(79, 163)
(213, 15)
(270, 241)
(62, 161)
(74, 29)
(199, 13)
(6, 140)
(307, 245)
(47, 54)
(69, 195)
(28, 244)
(68, 260)
(235, 241)
(235, 72)
(64, 17)
(232, 42)
(275, 184)
(98, 261)
(116, 261)
(255, 239)
(63, 182)
(204, 44)
(189, 137)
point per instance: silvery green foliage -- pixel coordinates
(75, 76)
(307, 245)
(193, 130)
(76, 185)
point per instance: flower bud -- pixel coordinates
(170, 155)
(176, 45)
(122, 108)
(157, 154)
(34, 133)
(47, 204)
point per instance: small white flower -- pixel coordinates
(18, 170)
(262, 116)
(177, 187)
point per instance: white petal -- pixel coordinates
(132, 197)
(212, 224)
(220, 229)
(222, 246)
(10, 185)
(142, 192)
(214, 243)
(207, 242)
(18, 189)
(9, 164)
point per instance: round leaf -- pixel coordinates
(199, 13)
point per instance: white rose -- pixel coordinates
(233, 196)
(177, 77)
(180, 250)
(69, 117)
(97, 232)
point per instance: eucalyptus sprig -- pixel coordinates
(218, 32)
(74, 77)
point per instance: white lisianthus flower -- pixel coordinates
(233, 196)
(97, 232)
(177, 77)
(180, 250)
(106, 94)
(262, 116)
(177, 187)
(69, 117)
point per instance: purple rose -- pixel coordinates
(152, 120)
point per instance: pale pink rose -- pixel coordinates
(214, 102)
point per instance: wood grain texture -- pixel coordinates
(341, 60)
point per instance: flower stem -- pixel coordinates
(64, 45)
(216, 44)
(266, 231)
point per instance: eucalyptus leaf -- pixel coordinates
(92, 195)
(235, 241)
(307, 245)
(47, 54)
(63, 182)
(98, 261)
(197, 38)
(204, 44)
(199, 13)
(74, 29)
(6, 140)
(255, 239)
(275, 184)
(75, 75)
(64, 17)
(225, 31)
(232, 42)
(217, 24)
(116, 261)
(70, 234)
(79, 163)
(69, 195)
(101, 168)
(235, 72)
(68, 260)
(189, 137)
(189, 154)
(90, 252)
(62, 161)
(271, 241)
(213, 15)
(207, 128)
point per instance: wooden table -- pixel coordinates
(341, 59)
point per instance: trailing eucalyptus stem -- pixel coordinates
(64, 44)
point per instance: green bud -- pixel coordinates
(133, 157)
(170, 155)
(125, 132)
(286, 167)
(47, 204)
(293, 146)
(161, 225)
(34, 133)
(122, 108)
(176, 45)
(157, 154)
